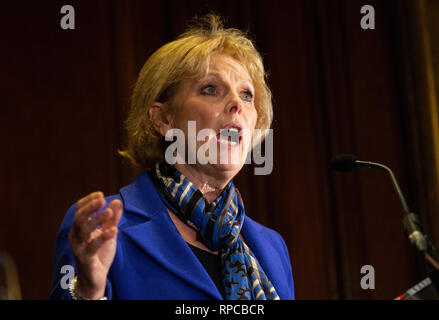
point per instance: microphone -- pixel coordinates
(411, 222)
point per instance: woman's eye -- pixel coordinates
(247, 95)
(208, 89)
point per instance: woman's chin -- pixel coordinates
(230, 169)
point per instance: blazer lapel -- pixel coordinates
(265, 252)
(159, 238)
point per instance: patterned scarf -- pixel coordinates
(219, 224)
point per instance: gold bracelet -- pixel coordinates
(75, 295)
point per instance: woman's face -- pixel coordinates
(222, 101)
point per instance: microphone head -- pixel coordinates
(344, 162)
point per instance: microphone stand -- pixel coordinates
(429, 287)
(411, 222)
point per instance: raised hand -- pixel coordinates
(93, 240)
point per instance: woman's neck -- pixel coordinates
(211, 187)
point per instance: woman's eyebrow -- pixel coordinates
(218, 75)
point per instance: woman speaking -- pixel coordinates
(180, 231)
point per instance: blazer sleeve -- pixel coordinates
(64, 267)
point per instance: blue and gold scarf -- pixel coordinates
(219, 224)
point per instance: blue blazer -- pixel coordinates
(153, 261)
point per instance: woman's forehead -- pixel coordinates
(220, 66)
(222, 59)
(226, 68)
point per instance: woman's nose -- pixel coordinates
(235, 104)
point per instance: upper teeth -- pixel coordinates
(234, 130)
(232, 134)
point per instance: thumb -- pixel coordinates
(117, 207)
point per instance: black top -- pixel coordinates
(212, 263)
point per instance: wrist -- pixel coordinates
(80, 292)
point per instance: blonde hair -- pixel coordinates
(188, 57)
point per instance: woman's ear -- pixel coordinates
(160, 118)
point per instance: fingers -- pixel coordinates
(97, 242)
(113, 220)
(93, 223)
(109, 228)
(89, 205)
(92, 196)
(84, 224)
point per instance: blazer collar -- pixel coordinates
(159, 238)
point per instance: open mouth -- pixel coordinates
(230, 136)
